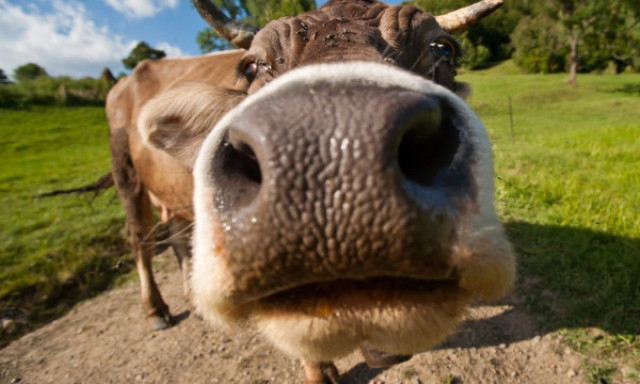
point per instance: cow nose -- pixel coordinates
(333, 183)
(416, 134)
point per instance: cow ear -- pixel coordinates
(463, 90)
(177, 121)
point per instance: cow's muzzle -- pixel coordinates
(340, 188)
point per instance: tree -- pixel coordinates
(556, 36)
(577, 18)
(616, 38)
(539, 45)
(209, 41)
(29, 71)
(140, 52)
(3, 78)
(261, 12)
(253, 12)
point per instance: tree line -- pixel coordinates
(32, 85)
(548, 36)
(541, 36)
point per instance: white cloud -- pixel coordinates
(170, 50)
(141, 8)
(65, 41)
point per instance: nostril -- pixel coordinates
(236, 173)
(428, 145)
(242, 162)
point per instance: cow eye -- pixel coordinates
(443, 49)
(251, 71)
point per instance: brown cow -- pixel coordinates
(145, 176)
(343, 198)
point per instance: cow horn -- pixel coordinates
(461, 19)
(237, 33)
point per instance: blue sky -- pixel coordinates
(80, 37)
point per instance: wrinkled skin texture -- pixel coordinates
(337, 206)
(355, 30)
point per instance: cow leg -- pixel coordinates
(139, 224)
(379, 359)
(137, 206)
(143, 245)
(180, 231)
(320, 373)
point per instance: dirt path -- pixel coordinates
(104, 341)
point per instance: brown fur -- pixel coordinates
(141, 172)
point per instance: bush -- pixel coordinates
(61, 90)
(474, 56)
(539, 45)
(9, 96)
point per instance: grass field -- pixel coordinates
(568, 190)
(55, 251)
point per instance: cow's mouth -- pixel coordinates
(399, 316)
(340, 297)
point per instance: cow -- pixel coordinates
(342, 190)
(145, 177)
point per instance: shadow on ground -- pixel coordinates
(579, 277)
(629, 88)
(569, 278)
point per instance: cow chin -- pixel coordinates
(328, 320)
(397, 315)
(321, 327)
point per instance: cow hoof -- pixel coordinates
(320, 373)
(329, 373)
(159, 323)
(379, 359)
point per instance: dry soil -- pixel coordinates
(104, 340)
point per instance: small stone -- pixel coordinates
(502, 346)
(16, 380)
(536, 340)
(514, 374)
(416, 381)
(8, 325)
(571, 373)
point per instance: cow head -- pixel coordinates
(348, 198)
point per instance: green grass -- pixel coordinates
(568, 190)
(58, 250)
